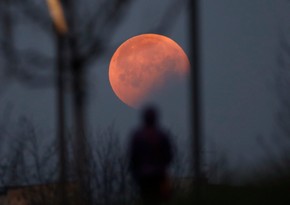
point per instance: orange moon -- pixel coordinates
(143, 65)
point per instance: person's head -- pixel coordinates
(150, 116)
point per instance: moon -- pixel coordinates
(143, 65)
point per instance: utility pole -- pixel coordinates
(61, 118)
(196, 97)
(78, 87)
(61, 30)
(77, 69)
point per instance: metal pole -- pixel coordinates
(79, 100)
(61, 29)
(196, 110)
(60, 101)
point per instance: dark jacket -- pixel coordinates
(150, 152)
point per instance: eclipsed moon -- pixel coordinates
(143, 65)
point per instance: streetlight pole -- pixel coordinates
(78, 86)
(61, 29)
(77, 68)
(196, 109)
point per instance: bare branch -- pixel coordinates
(37, 12)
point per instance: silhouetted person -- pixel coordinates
(150, 156)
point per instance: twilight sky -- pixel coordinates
(239, 51)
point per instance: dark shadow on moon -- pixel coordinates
(165, 95)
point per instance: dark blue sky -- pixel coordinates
(239, 51)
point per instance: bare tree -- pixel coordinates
(32, 162)
(29, 162)
(108, 168)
